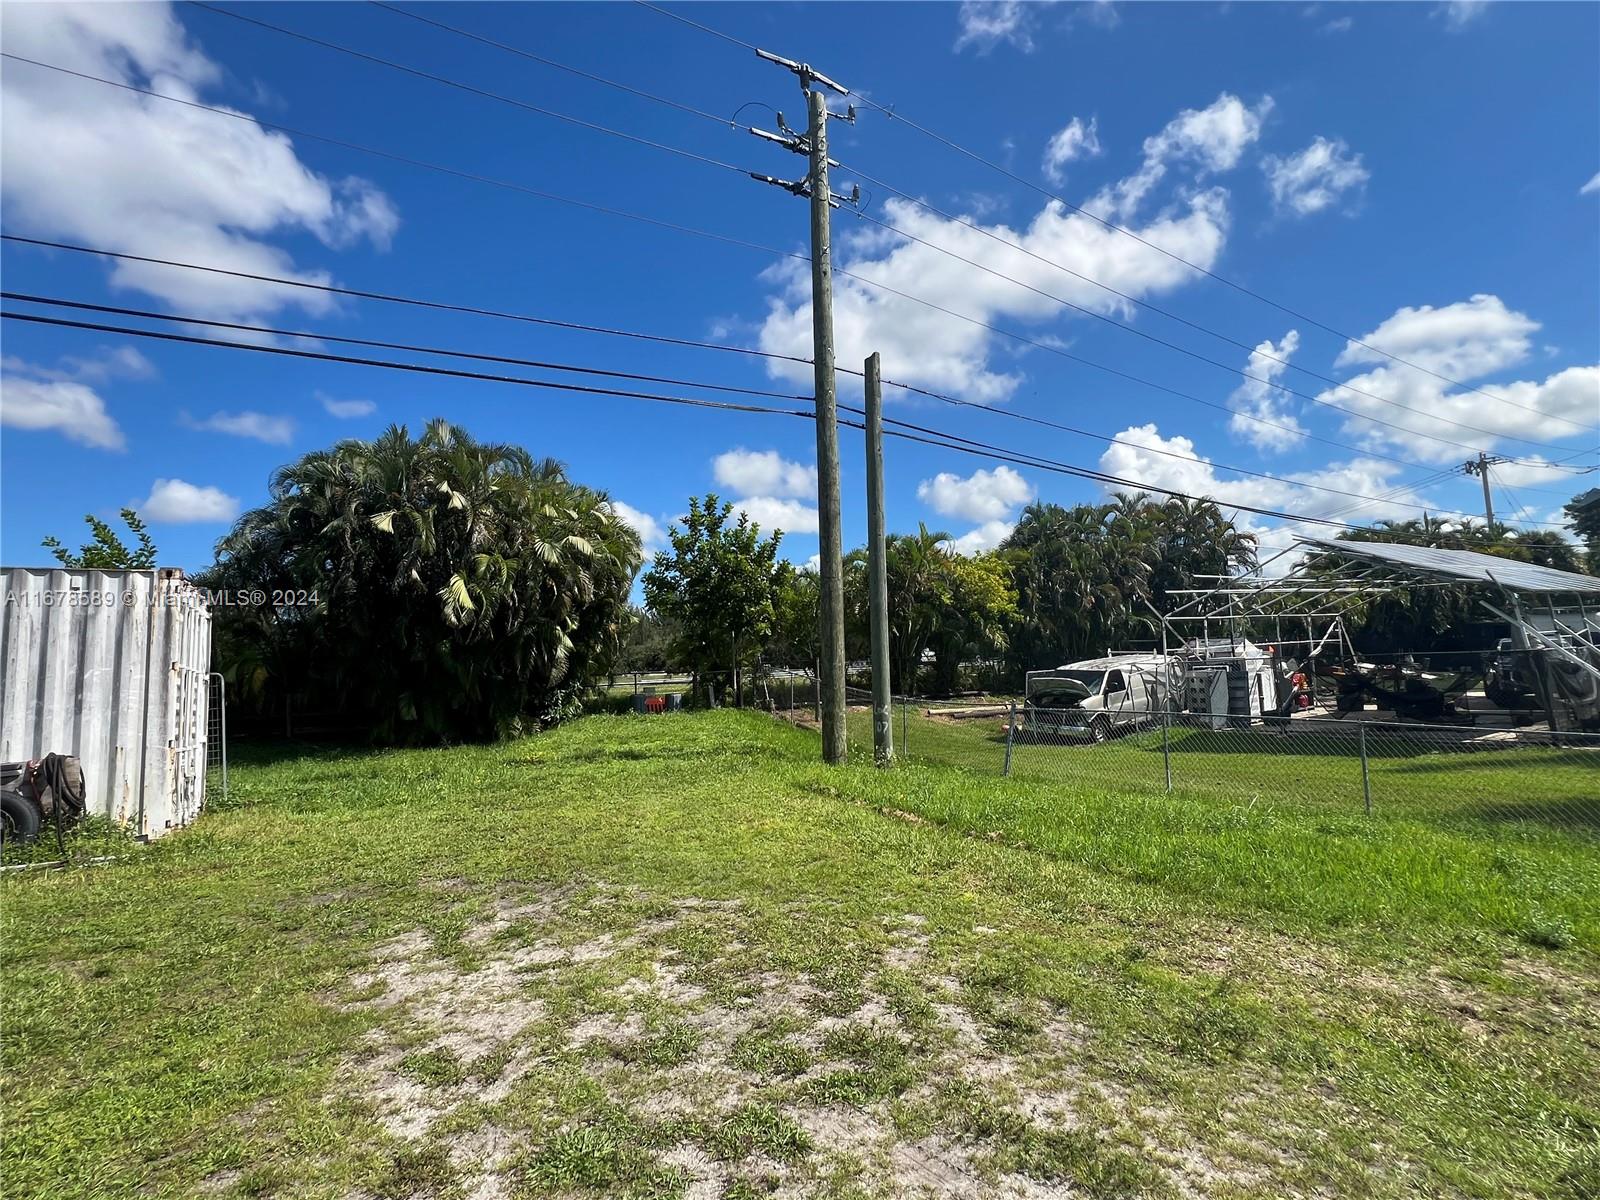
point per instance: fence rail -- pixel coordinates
(1373, 767)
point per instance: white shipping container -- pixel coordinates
(113, 667)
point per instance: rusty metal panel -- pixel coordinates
(110, 666)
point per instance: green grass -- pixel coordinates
(1058, 979)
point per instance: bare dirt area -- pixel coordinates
(599, 1041)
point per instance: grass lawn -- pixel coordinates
(675, 956)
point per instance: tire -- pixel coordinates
(20, 818)
(1100, 729)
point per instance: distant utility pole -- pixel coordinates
(877, 569)
(814, 144)
(1480, 467)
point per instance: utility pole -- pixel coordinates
(877, 569)
(814, 144)
(1480, 467)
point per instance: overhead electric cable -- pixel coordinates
(892, 113)
(605, 372)
(500, 97)
(691, 230)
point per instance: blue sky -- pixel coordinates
(1422, 177)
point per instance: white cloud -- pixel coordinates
(985, 537)
(174, 501)
(771, 513)
(982, 496)
(985, 24)
(264, 428)
(930, 348)
(169, 181)
(74, 410)
(1465, 341)
(346, 409)
(1592, 186)
(1137, 456)
(763, 473)
(1071, 143)
(652, 534)
(1213, 138)
(1458, 14)
(1257, 398)
(1338, 25)
(1315, 178)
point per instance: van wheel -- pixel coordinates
(1100, 728)
(20, 818)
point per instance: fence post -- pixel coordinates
(1011, 733)
(1366, 782)
(905, 720)
(1166, 749)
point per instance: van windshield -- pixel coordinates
(1090, 679)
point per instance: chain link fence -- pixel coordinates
(1347, 765)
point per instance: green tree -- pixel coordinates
(108, 552)
(797, 627)
(1584, 513)
(453, 589)
(720, 585)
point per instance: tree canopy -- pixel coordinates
(719, 586)
(434, 587)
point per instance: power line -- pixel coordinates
(660, 223)
(987, 233)
(1016, 456)
(893, 114)
(929, 437)
(415, 368)
(1294, 431)
(146, 314)
(473, 90)
(1254, 351)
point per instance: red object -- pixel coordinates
(655, 704)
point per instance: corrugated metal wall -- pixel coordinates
(110, 666)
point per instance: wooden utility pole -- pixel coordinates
(1480, 467)
(878, 569)
(832, 548)
(814, 145)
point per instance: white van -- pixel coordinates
(1096, 697)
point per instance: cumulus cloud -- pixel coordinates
(763, 473)
(1138, 455)
(345, 410)
(63, 397)
(73, 410)
(1213, 139)
(1314, 179)
(985, 537)
(925, 346)
(169, 181)
(262, 427)
(769, 488)
(1256, 401)
(1459, 14)
(771, 512)
(1076, 140)
(1592, 186)
(652, 534)
(982, 496)
(174, 501)
(1465, 341)
(985, 24)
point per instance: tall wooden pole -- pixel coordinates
(878, 569)
(832, 550)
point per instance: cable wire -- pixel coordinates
(472, 89)
(566, 367)
(893, 114)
